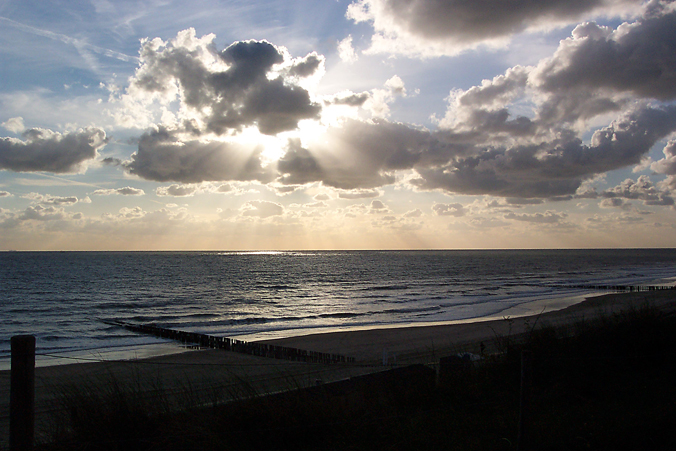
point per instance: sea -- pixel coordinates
(67, 299)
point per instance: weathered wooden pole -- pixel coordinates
(22, 394)
(524, 401)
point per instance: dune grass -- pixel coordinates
(602, 384)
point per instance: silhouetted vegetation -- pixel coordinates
(603, 384)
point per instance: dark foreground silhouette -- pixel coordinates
(606, 384)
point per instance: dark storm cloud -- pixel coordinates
(469, 22)
(638, 59)
(298, 165)
(553, 168)
(365, 155)
(248, 92)
(163, 157)
(45, 150)
(600, 70)
(481, 148)
(359, 155)
(597, 70)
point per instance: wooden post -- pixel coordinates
(22, 394)
(524, 401)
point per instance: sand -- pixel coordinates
(420, 343)
(212, 374)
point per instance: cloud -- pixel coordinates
(355, 155)
(481, 149)
(484, 223)
(615, 203)
(346, 52)
(641, 189)
(224, 188)
(456, 210)
(131, 213)
(481, 146)
(378, 207)
(359, 194)
(596, 71)
(554, 168)
(433, 28)
(667, 165)
(378, 102)
(14, 125)
(349, 98)
(41, 213)
(413, 213)
(261, 209)
(224, 91)
(522, 201)
(42, 199)
(177, 190)
(307, 66)
(5, 194)
(635, 58)
(548, 217)
(49, 151)
(126, 191)
(317, 205)
(165, 155)
(110, 161)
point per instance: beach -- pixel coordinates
(216, 375)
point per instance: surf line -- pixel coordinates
(233, 345)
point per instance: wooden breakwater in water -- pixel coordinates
(233, 345)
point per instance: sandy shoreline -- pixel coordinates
(204, 370)
(418, 340)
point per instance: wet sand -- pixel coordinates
(215, 374)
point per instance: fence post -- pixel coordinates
(22, 394)
(524, 400)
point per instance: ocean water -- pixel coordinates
(63, 298)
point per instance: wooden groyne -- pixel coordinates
(231, 344)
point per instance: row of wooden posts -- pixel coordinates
(240, 346)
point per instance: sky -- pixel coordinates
(337, 124)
